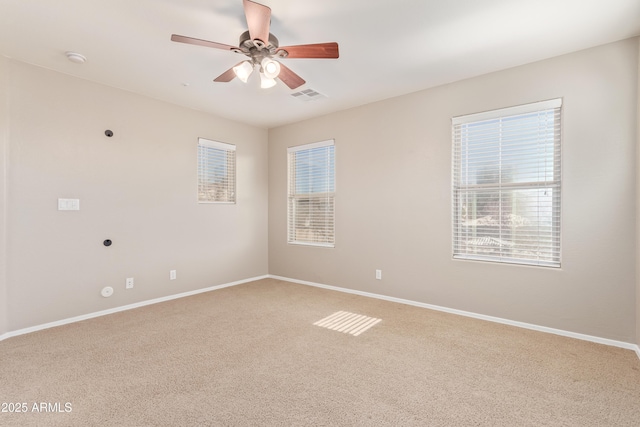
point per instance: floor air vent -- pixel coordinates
(345, 322)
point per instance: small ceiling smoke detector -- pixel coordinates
(76, 57)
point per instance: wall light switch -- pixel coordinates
(379, 274)
(172, 275)
(68, 204)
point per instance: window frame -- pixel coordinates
(292, 196)
(511, 188)
(229, 149)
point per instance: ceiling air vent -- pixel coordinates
(308, 95)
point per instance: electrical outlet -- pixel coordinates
(129, 284)
(172, 275)
(379, 274)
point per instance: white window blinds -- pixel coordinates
(216, 172)
(506, 185)
(311, 194)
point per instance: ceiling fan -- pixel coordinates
(263, 48)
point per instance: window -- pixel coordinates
(216, 172)
(311, 203)
(506, 185)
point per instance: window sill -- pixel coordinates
(318, 245)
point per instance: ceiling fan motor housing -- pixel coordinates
(257, 50)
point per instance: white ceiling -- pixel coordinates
(387, 47)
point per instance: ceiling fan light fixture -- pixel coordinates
(243, 70)
(266, 82)
(270, 68)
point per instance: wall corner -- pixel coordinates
(637, 257)
(4, 147)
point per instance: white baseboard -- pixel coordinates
(123, 308)
(561, 332)
(599, 340)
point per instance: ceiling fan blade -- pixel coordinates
(319, 50)
(228, 75)
(258, 20)
(290, 78)
(206, 43)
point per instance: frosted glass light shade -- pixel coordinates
(243, 70)
(266, 82)
(270, 68)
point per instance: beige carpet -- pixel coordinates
(250, 356)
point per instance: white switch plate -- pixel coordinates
(68, 204)
(172, 275)
(129, 283)
(379, 274)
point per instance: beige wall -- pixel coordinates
(4, 132)
(393, 202)
(137, 188)
(638, 207)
